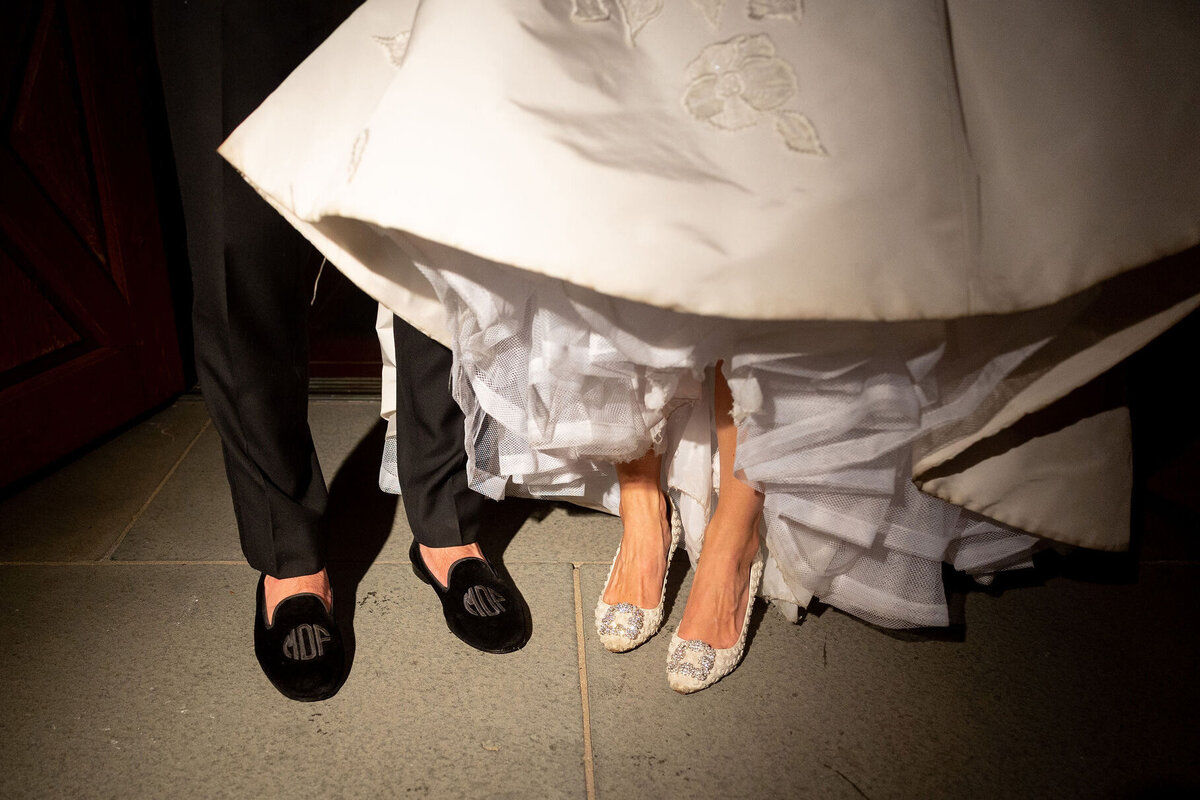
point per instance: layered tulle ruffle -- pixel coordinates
(559, 382)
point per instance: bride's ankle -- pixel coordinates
(734, 538)
(641, 498)
(644, 509)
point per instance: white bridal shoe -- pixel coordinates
(624, 626)
(693, 665)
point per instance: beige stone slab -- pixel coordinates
(560, 532)
(1065, 690)
(192, 517)
(130, 680)
(79, 511)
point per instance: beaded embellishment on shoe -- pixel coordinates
(699, 665)
(629, 627)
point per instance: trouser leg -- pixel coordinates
(251, 276)
(250, 317)
(431, 462)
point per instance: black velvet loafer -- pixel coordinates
(480, 608)
(301, 651)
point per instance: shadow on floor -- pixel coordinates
(361, 518)
(359, 521)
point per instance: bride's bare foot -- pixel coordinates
(637, 576)
(716, 604)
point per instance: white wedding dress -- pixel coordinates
(903, 226)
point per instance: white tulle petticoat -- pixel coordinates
(559, 382)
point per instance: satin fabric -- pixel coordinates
(976, 157)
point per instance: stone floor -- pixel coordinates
(126, 612)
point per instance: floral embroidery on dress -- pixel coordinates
(638, 13)
(634, 13)
(589, 10)
(711, 9)
(798, 133)
(396, 46)
(775, 9)
(755, 9)
(740, 82)
(356, 153)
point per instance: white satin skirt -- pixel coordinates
(909, 231)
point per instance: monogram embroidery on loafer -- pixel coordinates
(483, 601)
(305, 642)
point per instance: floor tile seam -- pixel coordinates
(220, 562)
(154, 494)
(119, 563)
(589, 765)
(332, 400)
(555, 561)
(317, 397)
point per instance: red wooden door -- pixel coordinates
(87, 336)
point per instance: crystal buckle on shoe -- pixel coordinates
(630, 628)
(698, 667)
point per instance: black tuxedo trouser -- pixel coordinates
(252, 296)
